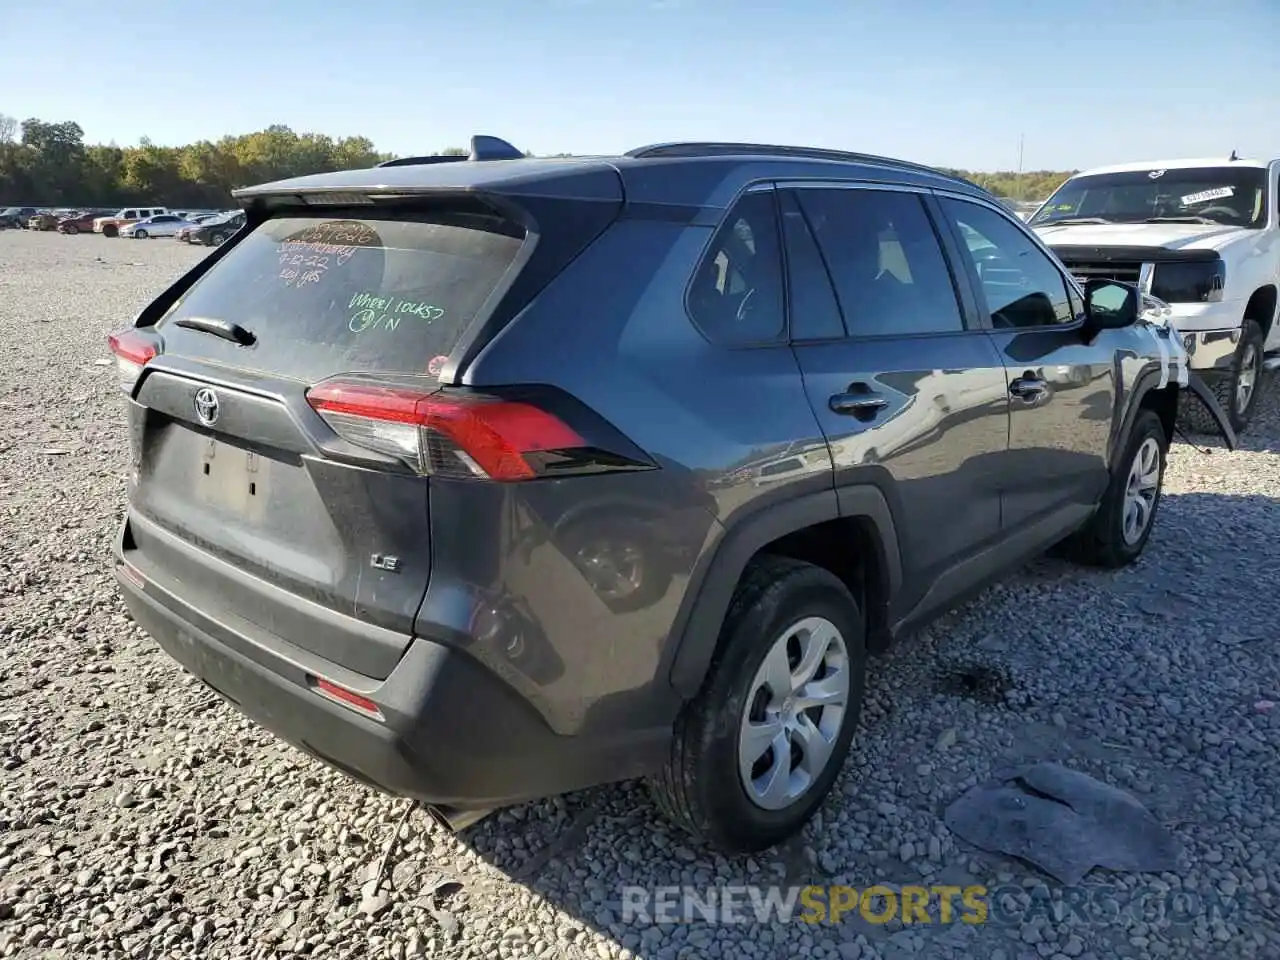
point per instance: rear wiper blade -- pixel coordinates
(219, 328)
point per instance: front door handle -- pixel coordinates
(857, 404)
(1030, 389)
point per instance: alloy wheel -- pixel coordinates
(1247, 377)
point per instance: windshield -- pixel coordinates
(1235, 196)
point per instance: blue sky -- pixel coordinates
(1086, 82)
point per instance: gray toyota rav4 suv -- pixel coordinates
(493, 478)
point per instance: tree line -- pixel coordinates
(49, 164)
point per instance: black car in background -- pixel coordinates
(215, 232)
(16, 217)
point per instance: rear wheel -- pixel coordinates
(756, 752)
(1237, 392)
(1119, 531)
(218, 239)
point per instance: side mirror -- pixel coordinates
(1109, 305)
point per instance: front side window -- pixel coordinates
(1022, 286)
(1230, 195)
(736, 294)
(885, 261)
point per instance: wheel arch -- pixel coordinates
(850, 532)
(1262, 308)
(1146, 394)
(1164, 402)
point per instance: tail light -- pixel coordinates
(447, 435)
(132, 350)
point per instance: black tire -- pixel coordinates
(1102, 543)
(111, 230)
(699, 787)
(71, 229)
(217, 239)
(1193, 416)
(139, 234)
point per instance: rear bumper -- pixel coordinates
(452, 733)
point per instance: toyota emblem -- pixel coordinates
(207, 406)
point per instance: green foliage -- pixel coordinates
(49, 163)
(1029, 185)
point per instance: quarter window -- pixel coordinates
(885, 261)
(736, 295)
(1021, 285)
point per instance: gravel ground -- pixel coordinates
(141, 817)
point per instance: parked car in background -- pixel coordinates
(16, 217)
(110, 226)
(193, 221)
(216, 232)
(162, 225)
(44, 220)
(1202, 235)
(78, 222)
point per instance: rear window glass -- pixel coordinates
(328, 295)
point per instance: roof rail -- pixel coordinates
(416, 161)
(717, 149)
(483, 147)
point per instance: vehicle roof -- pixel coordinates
(707, 175)
(1183, 164)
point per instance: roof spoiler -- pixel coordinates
(483, 147)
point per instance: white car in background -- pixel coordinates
(161, 225)
(1201, 235)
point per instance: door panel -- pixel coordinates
(1062, 390)
(910, 400)
(927, 419)
(1060, 425)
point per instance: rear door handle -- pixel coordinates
(1029, 389)
(857, 404)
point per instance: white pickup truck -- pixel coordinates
(1201, 235)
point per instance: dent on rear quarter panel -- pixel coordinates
(612, 331)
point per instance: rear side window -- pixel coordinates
(736, 295)
(327, 295)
